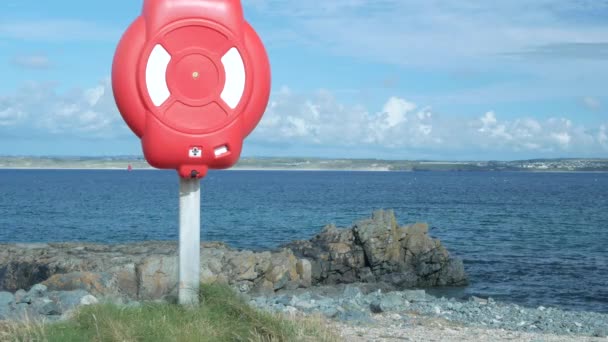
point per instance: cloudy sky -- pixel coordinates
(468, 79)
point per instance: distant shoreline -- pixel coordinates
(297, 170)
(230, 169)
(597, 165)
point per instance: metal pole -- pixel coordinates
(189, 241)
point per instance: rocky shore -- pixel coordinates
(364, 307)
(367, 279)
(374, 250)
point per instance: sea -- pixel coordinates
(530, 238)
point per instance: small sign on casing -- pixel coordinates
(195, 152)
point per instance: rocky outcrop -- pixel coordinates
(373, 250)
(39, 304)
(143, 271)
(379, 250)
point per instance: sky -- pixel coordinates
(389, 79)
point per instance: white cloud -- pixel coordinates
(93, 95)
(469, 32)
(396, 110)
(602, 136)
(318, 121)
(592, 103)
(563, 138)
(322, 121)
(39, 109)
(521, 50)
(58, 30)
(10, 116)
(32, 61)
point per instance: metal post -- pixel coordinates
(189, 241)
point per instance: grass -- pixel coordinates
(222, 316)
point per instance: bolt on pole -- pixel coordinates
(189, 241)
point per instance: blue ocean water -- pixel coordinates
(530, 238)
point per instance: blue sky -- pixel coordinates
(391, 79)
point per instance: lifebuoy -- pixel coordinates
(191, 78)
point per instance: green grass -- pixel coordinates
(222, 316)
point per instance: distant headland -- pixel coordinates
(319, 164)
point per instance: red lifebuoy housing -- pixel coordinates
(191, 78)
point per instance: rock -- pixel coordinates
(375, 307)
(373, 250)
(157, 277)
(366, 275)
(404, 280)
(379, 237)
(263, 287)
(378, 249)
(282, 269)
(6, 298)
(23, 312)
(414, 295)
(478, 300)
(304, 269)
(290, 310)
(353, 315)
(329, 311)
(207, 276)
(243, 266)
(46, 307)
(97, 283)
(352, 292)
(88, 300)
(125, 279)
(390, 302)
(22, 297)
(304, 305)
(37, 291)
(67, 300)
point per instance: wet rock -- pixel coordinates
(329, 311)
(67, 300)
(352, 292)
(97, 283)
(379, 249)
(263, 287)
(88, 300)
(415, 295)
(45, 306)
(392, 301)
(37, 291)
(6, 298)
(353, 314)
(282, 269)
(158, 276)
(22, 297)
(373, 250)
(304, 270)
(125, 280)
(480, 301)
(243, 266)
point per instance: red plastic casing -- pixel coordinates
(196, 34)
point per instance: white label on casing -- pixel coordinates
(195, 152)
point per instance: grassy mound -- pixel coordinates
(222, 317)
